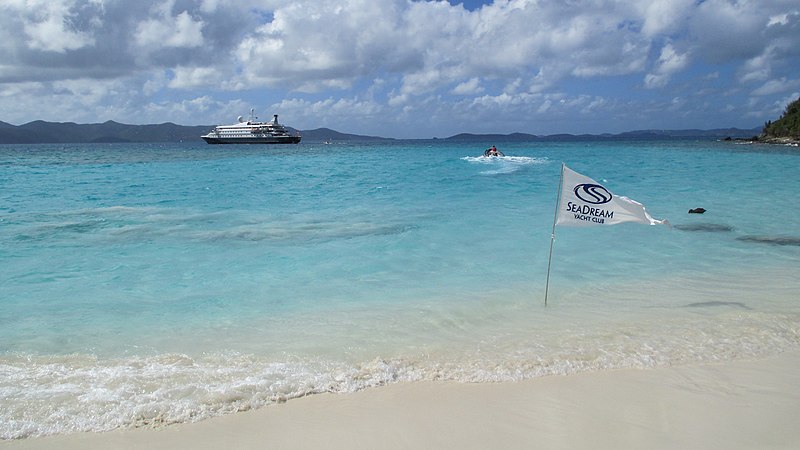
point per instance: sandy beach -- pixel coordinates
(751, 404)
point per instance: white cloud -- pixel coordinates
(755, 69)
(12, 91)
(341, 113)
(669, 62)
(779, 19)
(154, 83)
(192, 77)
(434, 45)
(724, 30)
(469, 87)
(312, 46)
(663, 16)
(168, 31)
(395, 99)
(782, 45)
(544, 107)
(77, 100)
(777, 86)
(183, 109)
(46, 25)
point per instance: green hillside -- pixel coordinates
(787, 127)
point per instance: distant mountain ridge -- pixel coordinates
(326, 134)
(719, 133)
(39, 132)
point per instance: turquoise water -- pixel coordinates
(148, 284)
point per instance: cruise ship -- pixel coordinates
(252, 132)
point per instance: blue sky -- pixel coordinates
(403, 68)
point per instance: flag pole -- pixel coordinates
(553, 234)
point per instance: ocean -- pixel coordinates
(150, 284)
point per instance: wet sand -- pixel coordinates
(751, 404)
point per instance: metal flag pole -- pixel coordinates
(553, 234)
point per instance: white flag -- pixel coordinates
(585, 202)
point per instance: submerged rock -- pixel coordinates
(697, 211)
(773, 240)
(707, 227)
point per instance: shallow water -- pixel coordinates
(148, 284)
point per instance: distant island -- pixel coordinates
(41, 132)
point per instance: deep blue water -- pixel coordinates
(145, 283)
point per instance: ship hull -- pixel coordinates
(253, 140)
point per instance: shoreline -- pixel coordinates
(733, 404)
(787, 141)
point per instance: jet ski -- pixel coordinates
(492, 152)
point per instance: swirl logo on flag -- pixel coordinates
(593, 193)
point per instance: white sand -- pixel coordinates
(743, 404)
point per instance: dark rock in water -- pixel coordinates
(772, 240)
(707, 227)
(697, 211)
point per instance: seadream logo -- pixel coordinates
(593, 193)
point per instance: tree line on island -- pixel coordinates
(786, 129)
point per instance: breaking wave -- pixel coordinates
(46, 395)
(504, 164)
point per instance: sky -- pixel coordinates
(403, 68)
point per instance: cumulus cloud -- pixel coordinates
(170, 31)
(51, 26)
(663, 16)
(311, 46)
(669, 62)
(509, 63)
(724, 30)
(51, 35)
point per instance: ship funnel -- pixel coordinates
(275, 119)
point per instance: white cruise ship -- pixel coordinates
(252, 132)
